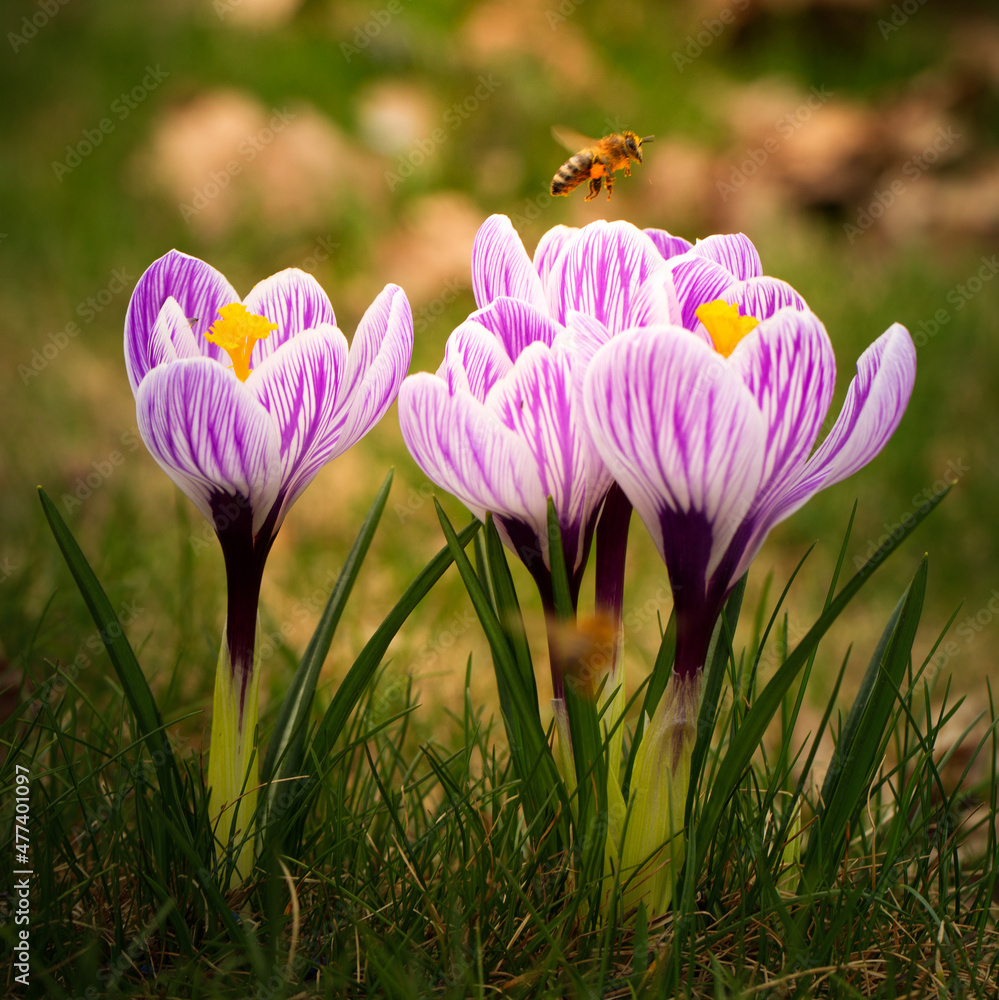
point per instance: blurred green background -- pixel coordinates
(854, 142)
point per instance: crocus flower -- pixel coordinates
(711, 439)
(241, 402)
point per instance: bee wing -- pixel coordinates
(570, 139)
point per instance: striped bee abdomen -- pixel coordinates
(574, 171)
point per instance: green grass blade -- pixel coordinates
(508, 609)
(534, 762)
(754, 725)
(860, 749)
(364, 667)
(719, 653)
(284, 748)
(123, 659)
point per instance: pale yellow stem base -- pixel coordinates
(233, 774)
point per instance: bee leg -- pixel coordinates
(627, 168)
(610, 184)
(595, 185)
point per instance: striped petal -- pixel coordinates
(466, 449)
(669, 246)
(698, 280)
(500, 265)
(600, 271)
(474, 360)
(788, 364)
(199, 290)
(171, 337)
(872, 410)
(210, 435)
(683, 437)
(292, 299)
(538, 402)
(734, 252)
(762, 297)
(516, 324)
(299, 387)
(379, 358)
(549, 247)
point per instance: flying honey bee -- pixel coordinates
(596, 160)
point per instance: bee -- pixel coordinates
(596, 160)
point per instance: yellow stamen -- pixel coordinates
(236, 333)
(725, 324)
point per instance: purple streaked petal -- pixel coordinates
(681, 434)
(379, 358)
(600, 271)
(210, 435)
(474, 360)
(200, 291)
(698, 280)
(734, 251)
(465, 449)
(874, 404)
(669, 246)
(549, 247)
(538, 402)
(585, 336)
(171, 337)
(299, 387)
(292, 299)
(788, 364)
(500, 265)
(762, 297)
(516, 324)
(656, 303)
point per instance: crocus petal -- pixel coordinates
(299, 387)
(199, 290)
(788, 364)
(874, 404)
(537, 401)
(682, 435)
(762, 297)
(734, 251)
(465, 449)
(697, 280)
(292, 299)
(501, 266)
(516, 324)
(600, 271)
(171, 337)
(549, 247)
(379, 358)
(668, 245)
(474, 360)
(210, 435)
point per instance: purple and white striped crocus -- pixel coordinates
(241, 403)
(711, 439)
